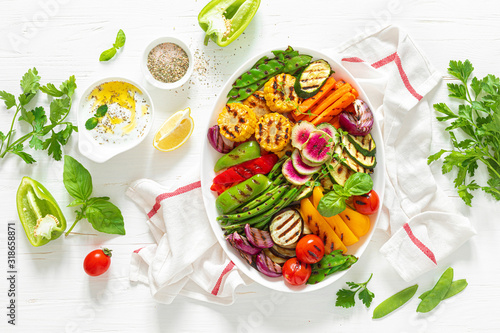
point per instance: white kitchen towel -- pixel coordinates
(422, 220)
(186, 258)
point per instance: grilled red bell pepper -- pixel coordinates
(238, 173)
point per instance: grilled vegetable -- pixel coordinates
(258, 238)
(364, 144)
(318, 148)
(300, 166)
(339, 172)
(283, 252)
(237, 122)
(368, 162)
(328, 129)
(245, 152)
(257, 103)
(359, 121)
(312, 78)
(218, 142)
(267, 267)
(273, 132)
(292, 175)
(261, 71)
(239, 194)
(279, 93)
(358, 223)
(346, 160)
(301, 132)
(278, 260)
(286, 228)
(268, 194)
(241, 243)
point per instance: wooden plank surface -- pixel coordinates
(62, 38)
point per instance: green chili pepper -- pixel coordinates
(438, 293)
(39, 212)
(245, 152)
(395, 301)
(224, 20)
(243, 192)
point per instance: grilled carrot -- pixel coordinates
(311, 101)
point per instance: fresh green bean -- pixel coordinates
(456, 287)
(394, 302)
(437, 293)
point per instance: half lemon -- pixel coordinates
(175, 131)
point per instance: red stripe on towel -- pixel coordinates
(353, 59)
(164, 196)
(226, 270)
(419, 244)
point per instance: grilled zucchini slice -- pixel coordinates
(340, 173)
(368, 162)
(312, 78)
(364, 144)
(346, 160)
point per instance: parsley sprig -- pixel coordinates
(346, 297)
(479, 119)
(41, 126)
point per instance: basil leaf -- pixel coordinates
(108, 54)
(105, 217)
(358, 184)
(91, 123)
(120, 39)
(77, 180)
(331, 204)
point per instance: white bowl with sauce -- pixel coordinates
(127, 122)
(164, 85)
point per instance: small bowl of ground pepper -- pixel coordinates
(167, 63)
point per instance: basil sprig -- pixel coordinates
(333, 202)
(110, 53)
(102, 214)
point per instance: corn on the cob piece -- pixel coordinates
(257, 103)
(280, 94)
(237, 122)
(273, 132)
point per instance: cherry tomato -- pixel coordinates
(295, 272)
(310, 249)
(366, 204)
(97, 262)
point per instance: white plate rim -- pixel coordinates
(207, 176)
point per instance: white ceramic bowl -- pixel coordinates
(87, 145)
(147, 74)
(210, 156)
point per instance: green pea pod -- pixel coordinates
(394, 302)
(241, 193)
(296, 63)
(437, 293)
(224, 20)
(259, 72)
(239, 94)
(351, 260)
(456, 287)
(245, 152)
(330, 261)
(39, 212)
(317, 276)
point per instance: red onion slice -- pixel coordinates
(358, 123)
(267, 267)
(241, 243)
(258, 238)
(220, 143)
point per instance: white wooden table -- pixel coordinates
(61, 38)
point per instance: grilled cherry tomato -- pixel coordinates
(310, 249)
(97, 262)
(366, 204)
(295, 272)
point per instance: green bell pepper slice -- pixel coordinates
(241, 193)
(224, 20)
(245, 152)
(39, 213)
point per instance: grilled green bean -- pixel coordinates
(260, 200)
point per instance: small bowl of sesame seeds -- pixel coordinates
(167, 63)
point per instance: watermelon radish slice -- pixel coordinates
(328, 129)
(318, 148)
(301, 132)
(292, 175)
(300, 166)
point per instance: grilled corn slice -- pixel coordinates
(257, 103)
(280, 94)
(273, 132)
(237, 122)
